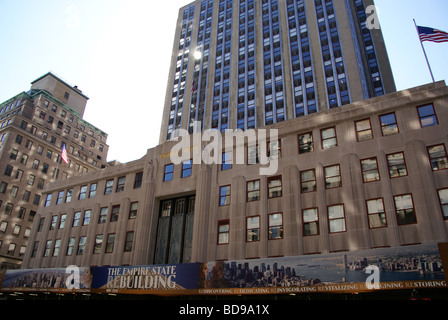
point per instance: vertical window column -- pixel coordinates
(369, 50)
(246, 113)
(177, 98)
(221, 92)
(332, 56)
(201, 64)
(274, 92)
(303, 81)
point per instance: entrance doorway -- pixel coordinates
(175, 231)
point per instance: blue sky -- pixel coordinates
(118, 52)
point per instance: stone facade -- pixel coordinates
(366, 175)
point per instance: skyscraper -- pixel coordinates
(250, 63)
(35, 125)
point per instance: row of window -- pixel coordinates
(71, 118)
(376, 216)
(332, 175)
(328, 137)
(17, 229)
(79, 152)
(100, 243)
(364, 131)
(9, 106)
(83, 218)
(12, 249)
(86, 191)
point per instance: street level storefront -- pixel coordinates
(412, 267)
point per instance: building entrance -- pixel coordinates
(175, 231)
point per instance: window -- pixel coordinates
(114, 214)
(47, 200)
(252, 155)
(71, 246)
(16, 230)
(68, 196)
(376, 213)
(8, 170)
(336, 218)
(8, 208)
(363, 130)
(438, 158)
(103, 215)
(129, 240)
(120, 184)
(11, 248)
(253, 229)
(26, 196)
(109, 186)
(57, 246)
(3, 226)
(427, 116)
(98, 243)
(133, 210)
(47, 248)
(329, 139)
(93, 188)
(253, 190)
(389, 124)
(62, 221)
(82, 192)
(226, 161)
(86, 220)
(443, 198)
(13, 154)
(81, 245)
(332, 177)
(186, 168)
(76, 218)
(397, 165)
(370, 170)
(404, 207)
(41, 224)
(223, 232)
(310, 222)
(224, 195)
(306, 143)
(138, 180)
(274, 149)
(308, 180)
(274, 187)
(168, 174)
(275, 230)
(3, 186)
(35, 247)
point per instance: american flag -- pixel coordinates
(431, 34)
(64, 155)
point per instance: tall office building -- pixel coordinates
(250, 63)
(33, 127)
(353, 177)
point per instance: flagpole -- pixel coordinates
(424, 51)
